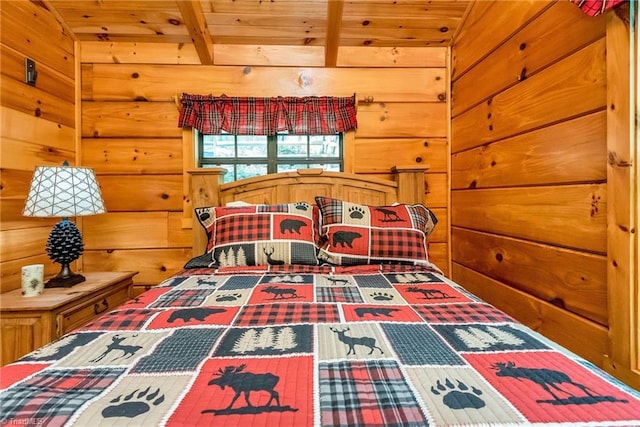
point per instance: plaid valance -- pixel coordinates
(595, 7)
(309, 115)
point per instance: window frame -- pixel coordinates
(272, 161)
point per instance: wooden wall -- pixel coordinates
(529, 167)
(130, 137)
(38, 127)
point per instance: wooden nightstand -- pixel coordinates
(30, 323)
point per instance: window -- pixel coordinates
(255, 155)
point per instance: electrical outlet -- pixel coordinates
(31, 75)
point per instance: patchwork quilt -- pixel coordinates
(385, 345)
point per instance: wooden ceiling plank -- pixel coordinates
(275, 56)
(334, 22)
(272, 8)
(135, 38)
(258, 20)
(93, 6)
(197, 26)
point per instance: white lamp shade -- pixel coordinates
(63, 192)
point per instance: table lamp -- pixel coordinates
(64, 191)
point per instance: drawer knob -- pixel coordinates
(98, 308)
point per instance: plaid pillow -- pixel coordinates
(354, 234)
(261, 234)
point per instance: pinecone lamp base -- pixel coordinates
(65, 278)
(65, 246)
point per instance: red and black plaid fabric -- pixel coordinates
(371, 393)
(353, 234)
(282, 314)
(462, 313)
(309, 115)
(52, 397)
(129, 319)
(596, 7)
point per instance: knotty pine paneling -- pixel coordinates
(529, 51)
(368, 56)
(573, 216)
(49, 80)
(529, 152)
(37, 128)
(130, 119)
(437, 189)
(379, 156)
(439, 255)
(100, 52)
(121, 156)
(97, 52)
(575, 85)
(265, 55)
(473, 41)
(390, 119)
(135, 230)
(20, 126)
(24, 156)
(567, 152)
(31, 100)
(574, 280)
(150, 192)
(34, 32)
(127, 82)
(153, 265)
(24, 242)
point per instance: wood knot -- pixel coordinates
(614, 161)
(595, 200)
(523, 74)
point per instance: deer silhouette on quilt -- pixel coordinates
(244, 383)
(270, 260)
(116, 345)
(550, 380)
(368, 342)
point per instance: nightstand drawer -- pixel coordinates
(83, 313)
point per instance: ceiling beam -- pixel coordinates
(67, 29)
(196, 24)
(334, 23)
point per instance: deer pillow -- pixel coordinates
(260, 234)
(353, 234)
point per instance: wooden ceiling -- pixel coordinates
(327, 24)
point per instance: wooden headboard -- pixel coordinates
(206, 188)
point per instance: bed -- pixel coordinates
(310, 301)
